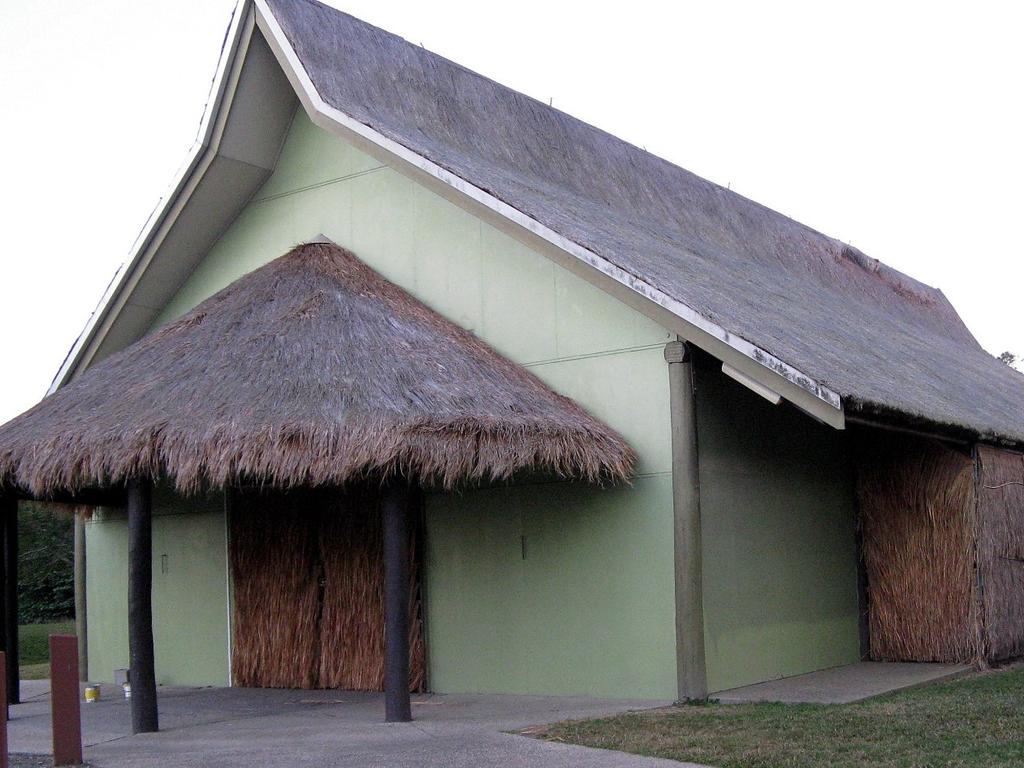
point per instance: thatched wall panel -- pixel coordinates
(309, 592)
(352, 624)
(916, 515)
(275, 571)
(1001, 551)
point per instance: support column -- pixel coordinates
(396, 503)
(11, 600)
(142, 673)
(691, 670)
(81, 619)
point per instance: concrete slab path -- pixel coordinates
(841, 685)
(239, 727)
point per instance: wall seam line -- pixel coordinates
(318, 185)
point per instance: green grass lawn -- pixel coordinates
(978, 721)
(34, 647)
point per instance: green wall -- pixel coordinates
(190, 618)
(552, 589)
(543, 587)
(106, 578)
(777, 508)
(596, 586)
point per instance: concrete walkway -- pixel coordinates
(841, 685)
(238, 727)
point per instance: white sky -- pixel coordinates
(897, 127)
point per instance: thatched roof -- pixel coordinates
(879, 338)
(311, 370)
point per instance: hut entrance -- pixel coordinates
(308, 581)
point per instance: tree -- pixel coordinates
(1009, 358)
(46, 574)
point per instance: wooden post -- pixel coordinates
(691, 671)
(65, 711)
(5, 503)
(396, 504)
(142, 672)
(11, 600)
(4, 747)
(81, 619)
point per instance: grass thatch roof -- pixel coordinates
(311, 370)
(882, 340)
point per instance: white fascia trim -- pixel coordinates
(757, 387)
(324, 115)
(199, 158)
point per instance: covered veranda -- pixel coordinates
(310, 373)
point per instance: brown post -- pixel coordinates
(141, 666)
(3, 715)
(396, 503)
(10, 524)
(66, 715)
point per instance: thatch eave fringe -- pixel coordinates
(261, 382)
(436, 457)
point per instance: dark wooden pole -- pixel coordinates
(11, 600)
(4, 751)
(5, 503)
(142, 672)
(396, 503)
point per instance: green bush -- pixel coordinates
(46, 575)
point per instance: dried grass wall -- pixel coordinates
(308, 581)
(916, 501)
(275, 573)
(352, 622)
(1001, 551)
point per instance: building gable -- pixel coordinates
(584, 343)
